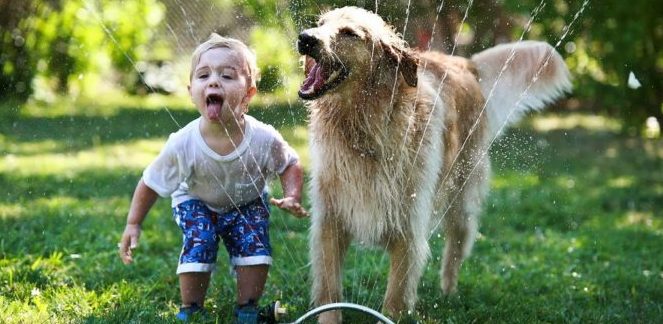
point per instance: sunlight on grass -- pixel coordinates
(621, 182)
(62, 204)
(30, 148)
(505, 180)
(567, 182)
(106, 104)
(643, 220)
(15, 311)
(132, 154)
(565, 122)
(568, 236)
(11, 210)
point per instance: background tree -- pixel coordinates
(17, 61)
(602, 43)
(64, 40)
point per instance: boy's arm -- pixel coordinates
(291, 181)
(143, 199)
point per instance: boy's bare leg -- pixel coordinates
(193, 287)
(250, 282)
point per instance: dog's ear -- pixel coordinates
(406, 59)
(409, 65)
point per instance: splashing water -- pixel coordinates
(297, 258)
(522, 96)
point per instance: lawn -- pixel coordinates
(572, 230)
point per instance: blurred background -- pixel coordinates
(84, 48)
(572, 230)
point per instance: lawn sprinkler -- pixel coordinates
(274, 312)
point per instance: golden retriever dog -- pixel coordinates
(399, 141)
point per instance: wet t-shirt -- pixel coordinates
(187, 168)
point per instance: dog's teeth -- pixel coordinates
(333, 76)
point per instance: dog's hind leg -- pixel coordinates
(460, 227)
(407, 257)
(329, 243)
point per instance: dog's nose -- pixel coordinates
(307, 44)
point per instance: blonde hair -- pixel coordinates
(217, 41)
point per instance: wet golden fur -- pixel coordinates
(398, 149)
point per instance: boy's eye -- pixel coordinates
(202, 76)
(228, 74)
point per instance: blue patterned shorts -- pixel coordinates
(244, 232)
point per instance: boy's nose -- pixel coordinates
(213, 81)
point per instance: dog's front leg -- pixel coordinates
(407, 258)
(328, 245)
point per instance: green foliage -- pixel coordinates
(602, 43)
(607, 41)
(131, 37)
(277, 60)
(64, 41)
(64, 44)
(272, 40)
(17, 60)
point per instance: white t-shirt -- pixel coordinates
(188, 169)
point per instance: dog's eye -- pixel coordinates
(348, 32)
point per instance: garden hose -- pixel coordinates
(335, 306)
(273, 312)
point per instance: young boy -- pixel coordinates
(215, 171)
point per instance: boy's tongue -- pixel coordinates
(214, 110)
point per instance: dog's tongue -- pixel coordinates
(315, 79)
(213, 110)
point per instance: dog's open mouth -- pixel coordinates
(214, 103)
(322, 77)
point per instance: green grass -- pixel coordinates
(572, 230)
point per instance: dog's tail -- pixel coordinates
(518, 77)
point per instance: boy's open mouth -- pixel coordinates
(214, 103)
(323, 76)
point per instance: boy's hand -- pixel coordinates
(290, 205)
(129, 242)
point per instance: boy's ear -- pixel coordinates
(247, 98)
(250, 93)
